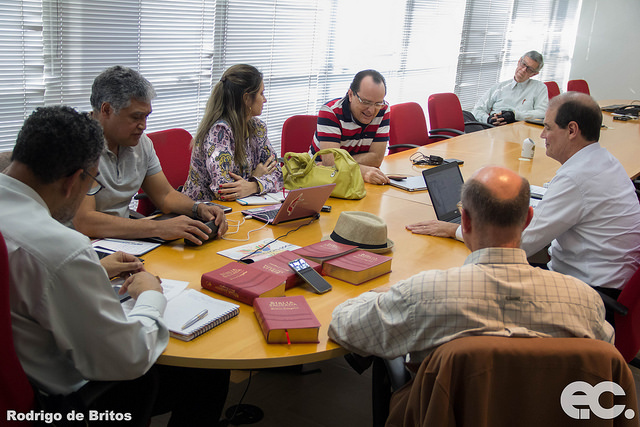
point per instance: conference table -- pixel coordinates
(239, 343)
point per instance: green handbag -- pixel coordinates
(300, 171)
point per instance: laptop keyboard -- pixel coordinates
(271, 214)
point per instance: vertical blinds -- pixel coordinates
(308, 50)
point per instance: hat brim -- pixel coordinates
(375, 251)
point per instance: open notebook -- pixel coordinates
(183, 305)
(187, 305)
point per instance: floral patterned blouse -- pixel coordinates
(212, 161)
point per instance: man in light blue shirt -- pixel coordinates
(516, 99)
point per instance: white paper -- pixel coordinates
(261, 251)
(265, 199)
(133, 247)
(170, 289)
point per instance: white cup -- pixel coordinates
(528, 148)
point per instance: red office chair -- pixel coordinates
(552, 89)
(628, 325)
(578, 86)
(297, 134)
(445, 116)
(407, 127)
(15, 391)
(172, 148)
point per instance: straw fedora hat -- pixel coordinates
(365, 230)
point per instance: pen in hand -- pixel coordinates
(200, 316)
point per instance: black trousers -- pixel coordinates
(195, 397)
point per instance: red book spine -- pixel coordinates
(238, 294)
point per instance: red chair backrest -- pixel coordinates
(628, 327)
(578, 86)
(15, 390)
(552, 89)
(297, 133)
(445, 111)
(172, 148)
(407, 125)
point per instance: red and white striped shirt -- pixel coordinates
(337, 124)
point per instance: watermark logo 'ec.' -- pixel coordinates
(580, 393)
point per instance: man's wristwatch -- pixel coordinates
(194, 210)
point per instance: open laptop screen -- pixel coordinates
(444, 183)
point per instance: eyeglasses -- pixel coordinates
(371, 103)
(96, 187)
(459, 205)
(522, 64)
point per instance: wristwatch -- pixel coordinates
(194, 210)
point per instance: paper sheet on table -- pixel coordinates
(261, 251)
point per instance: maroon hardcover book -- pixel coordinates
(357, 267)
(242, 282)
(292, 316)
(279, 264)
(324, 250)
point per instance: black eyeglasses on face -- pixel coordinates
(529, 70)
(96, 187)
(371, 103)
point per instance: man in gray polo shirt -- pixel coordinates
(121, 102)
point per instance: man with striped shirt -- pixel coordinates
(359, 124)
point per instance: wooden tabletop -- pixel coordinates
(239, 343)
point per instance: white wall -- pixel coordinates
(607, 49)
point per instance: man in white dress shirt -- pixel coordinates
(516, 99)
(69, 328)
(590, 213)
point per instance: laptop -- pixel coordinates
(539, 122)
(410, 183)
(300, 203)
(444, 183)
(612, 108)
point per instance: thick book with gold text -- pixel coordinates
(242, 282)
(324, 250)
(279, 264)
(357, 267)
(286, 320)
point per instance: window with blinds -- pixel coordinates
(170, 43)
(21, 66)
(498, 32)
(308, 50)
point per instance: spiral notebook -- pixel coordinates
(188, 304)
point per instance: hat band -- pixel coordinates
(337, 238)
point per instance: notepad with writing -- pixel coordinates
(188, 304)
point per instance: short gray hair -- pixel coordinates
(118, 85)
(535, 56)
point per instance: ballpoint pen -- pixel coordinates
(200, 315)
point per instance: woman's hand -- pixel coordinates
(238, 189)
(266, 167)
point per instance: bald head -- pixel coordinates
(496, 196)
